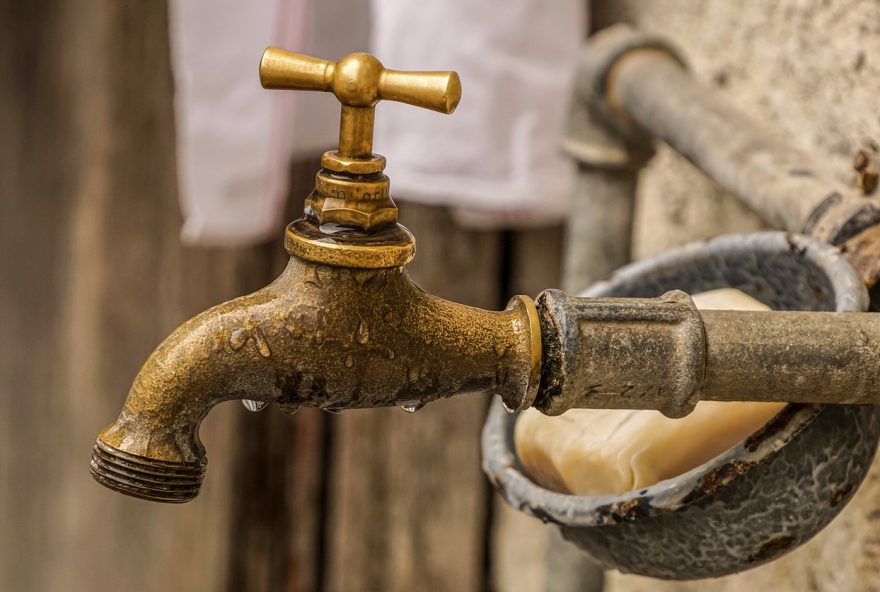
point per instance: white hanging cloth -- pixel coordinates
(497, 160)
(235, 139)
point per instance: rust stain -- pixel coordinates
(718, 478)
(841, 494)
(772, 548)
(773, 428)
(863, 253)
(867, 172)
(629, 511)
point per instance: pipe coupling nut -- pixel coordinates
(616, 353)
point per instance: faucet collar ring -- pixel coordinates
(341, 247)
(535, 352)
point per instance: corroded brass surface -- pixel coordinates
(320, 336)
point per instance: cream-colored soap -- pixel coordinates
(600, 452)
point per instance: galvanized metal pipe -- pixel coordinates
(664, 354)
(639, 81)
(637, 86)
(775, 179)
(794, 356)
(599, 230)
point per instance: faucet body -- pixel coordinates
(342, 327)
(318, 336)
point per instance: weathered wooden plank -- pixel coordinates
(277, 500)
(93, 277)
(407, 497)
(520, 543)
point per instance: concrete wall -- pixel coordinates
(811, 70)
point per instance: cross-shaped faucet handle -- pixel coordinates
(359, 81)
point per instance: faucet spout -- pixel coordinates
(321, 336)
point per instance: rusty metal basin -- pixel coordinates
(756, 501)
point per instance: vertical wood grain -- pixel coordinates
(277, 494)
(519, 543)
(407, 496)
(93, 277)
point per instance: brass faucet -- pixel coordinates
(343, 327)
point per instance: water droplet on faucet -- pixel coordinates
(294, 329)
(412, 406)
(252, 405)
(238, 338)
(363, 332)
(288, 407)
(315, 279)
(349, 361)
(262, 344)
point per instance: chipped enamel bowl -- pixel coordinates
(756, 501)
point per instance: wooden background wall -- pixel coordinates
(94, 276)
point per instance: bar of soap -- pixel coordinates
(603, 452)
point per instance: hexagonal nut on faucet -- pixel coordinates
(360, 203)
(327, 213)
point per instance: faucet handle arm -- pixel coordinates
(280, 69)
(438, 91)
(359, 81)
